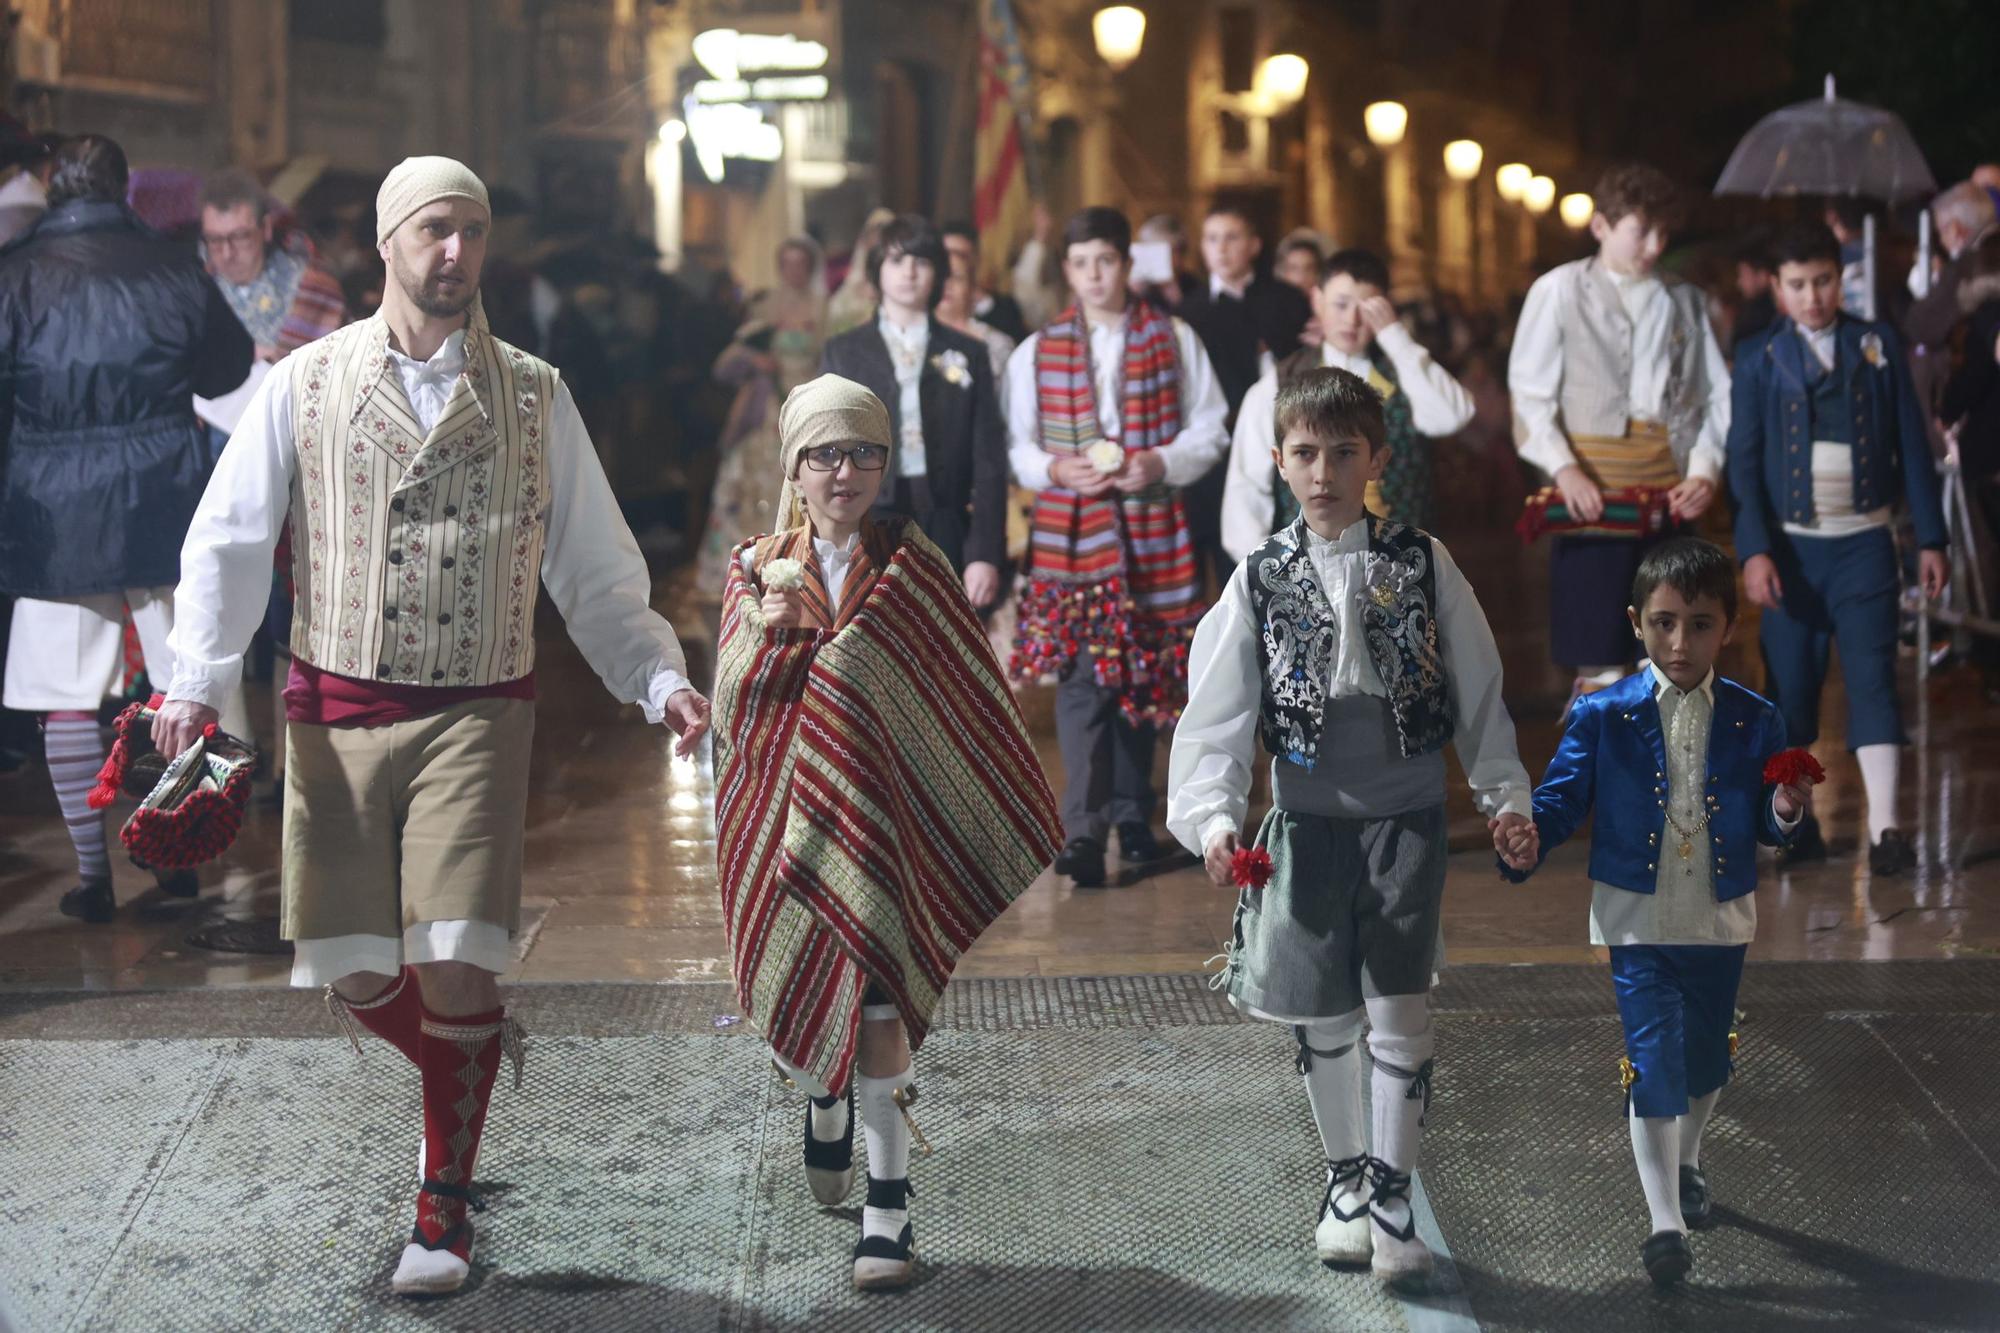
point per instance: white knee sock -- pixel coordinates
(1693, 1125)
(1333, 1087)
(1881, 765)
(1400, 1041)
(888, 1137)
(1656, 1148)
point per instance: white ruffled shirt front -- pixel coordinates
(1215, 742)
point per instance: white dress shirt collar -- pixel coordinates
(1661, 684)
(1355, 363)
(1822, 342)
(1219, 287)
(1352, 538)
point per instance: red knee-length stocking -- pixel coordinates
(458, 1058)
(393, 1015)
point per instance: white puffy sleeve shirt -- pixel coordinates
(591, 566)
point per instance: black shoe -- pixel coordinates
(1136, 843)
(90, 901)
(178, 883)
(881, 1264)
(1083, 861)
(1892, 854)
(1667, 1257)
(1806, 845)
(1694, 1198)
(830, 1164)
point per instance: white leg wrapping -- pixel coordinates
(1331, 1062)
(1693, 1125)
(1401, 1043)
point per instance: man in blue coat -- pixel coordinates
(107, 332)
(1826, 438)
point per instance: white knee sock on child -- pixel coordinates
(1333, 1087)
(1881, 765)
(1693, 1125)
(888, 1137)
(1400, 1041)
(1656, 1148)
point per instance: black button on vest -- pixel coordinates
(395, 557)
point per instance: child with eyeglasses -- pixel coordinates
(878, 802)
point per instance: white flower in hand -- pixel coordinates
(783, 573)
(1107, 456)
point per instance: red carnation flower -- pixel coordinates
(1250, 868)
(1792, 768)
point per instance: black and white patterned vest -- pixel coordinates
(1298, 636)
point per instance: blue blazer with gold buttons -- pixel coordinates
(1613, 757)
(1770, 433)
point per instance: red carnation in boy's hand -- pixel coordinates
(1250, 868)
(1793, 768)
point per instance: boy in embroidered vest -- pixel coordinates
(1112, 409)
(1672, 760)
(440, 479)
(1355, 650)
(1622, 398)
(878, 802)
(1826, 436)
(1421, 402)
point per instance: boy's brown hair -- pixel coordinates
(1637, 188)
(1332, 405)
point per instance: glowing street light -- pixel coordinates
(1540, 195)
(1462, 158)
(1576, 210)
(1385, 123)
(1120, 31)
(1512, 180)
(1281, 81)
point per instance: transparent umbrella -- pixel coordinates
(1834, 147)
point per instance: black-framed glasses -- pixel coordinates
(864, 457)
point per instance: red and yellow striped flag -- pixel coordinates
(1001, 194)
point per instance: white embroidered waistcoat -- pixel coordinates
(417, 557)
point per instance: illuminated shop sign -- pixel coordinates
(746, 68)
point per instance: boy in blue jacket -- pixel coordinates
(1672, 758)
(1826, 437)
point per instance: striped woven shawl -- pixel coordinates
(878, 803)
(1112, 579)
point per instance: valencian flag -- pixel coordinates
(1001, 191)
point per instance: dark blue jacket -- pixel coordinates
(107, 331)
(1770, 433)
(1613, 756)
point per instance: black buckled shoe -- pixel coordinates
(1695, 1209)
(1082, 859)
(1806, 845)
(90, 901)
(1892, 854)
(1667, 1257)
(881, 1264)
(830, 1162)
(1136, 844)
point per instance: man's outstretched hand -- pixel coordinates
(687, 715)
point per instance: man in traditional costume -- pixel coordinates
(1113, 409)
(440, 479)
(878, 801)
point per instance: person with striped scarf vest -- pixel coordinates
(1113, 408)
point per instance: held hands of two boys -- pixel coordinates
(1517, 841)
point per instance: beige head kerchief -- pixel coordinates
(827, 410)
(417, 181)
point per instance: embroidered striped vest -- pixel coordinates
(417, 556)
